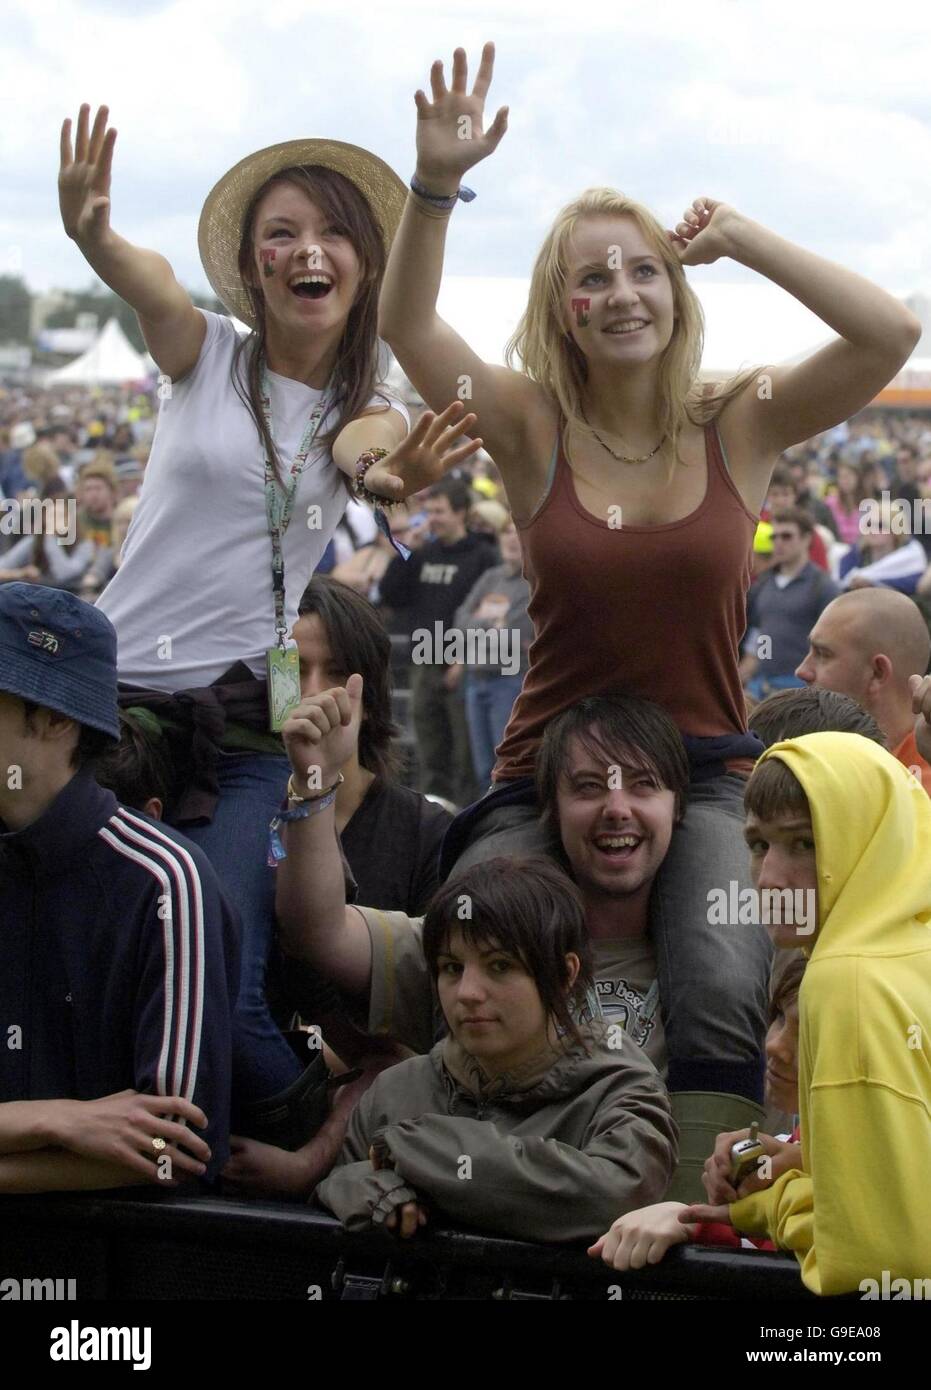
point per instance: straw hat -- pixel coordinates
(220, 228)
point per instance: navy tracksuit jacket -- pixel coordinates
(119, 960)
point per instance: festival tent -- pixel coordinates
(109, 361)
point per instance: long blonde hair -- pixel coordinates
(549, 355)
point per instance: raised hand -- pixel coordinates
(322, 733)
(703, 235)
(84, 178)
(450, 138)
(425, 455)
(920, 687)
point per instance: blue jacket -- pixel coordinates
(119, 960)
(12, 477)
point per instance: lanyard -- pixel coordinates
(279, 501)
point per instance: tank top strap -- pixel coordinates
(720, 479)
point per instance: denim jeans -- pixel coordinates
(714, 980)
(758, 687)
(252, 787)
(488, 702)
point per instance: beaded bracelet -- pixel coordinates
(363, 464)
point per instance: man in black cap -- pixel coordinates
(118, 952)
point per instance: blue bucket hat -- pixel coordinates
(60, 652)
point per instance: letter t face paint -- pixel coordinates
(580, 308)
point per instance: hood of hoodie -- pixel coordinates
(859, 1207)
(872, 830)
(544, 1077)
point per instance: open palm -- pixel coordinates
(450, 136)
(84, 177)
(425, 455)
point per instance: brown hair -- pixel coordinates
(860, 490)
(355, 370)
(781, 477)
(795, 516)
(629, 729)
(54, 489)
(531, 910)
(139, 766)
(773, 790)
(810, 710)
(358, 642)
(785, 981)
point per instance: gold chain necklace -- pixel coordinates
(621, 457)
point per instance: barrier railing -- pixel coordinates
(170, 1246)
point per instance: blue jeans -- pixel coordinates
(252, 787)
(488, 702)
(714, 980)
(758, 687)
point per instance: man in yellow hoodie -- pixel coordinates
(838, 819)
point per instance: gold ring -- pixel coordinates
(159, 1144)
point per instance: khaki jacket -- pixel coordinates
(554, 1153)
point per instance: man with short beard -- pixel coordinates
(613, 775)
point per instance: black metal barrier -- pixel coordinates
(169, 1246)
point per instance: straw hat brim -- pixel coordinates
(220, 227)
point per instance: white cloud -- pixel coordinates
(788, 111)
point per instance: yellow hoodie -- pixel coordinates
(862, 1205)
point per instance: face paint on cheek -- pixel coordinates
(580, 308)
(268, 261)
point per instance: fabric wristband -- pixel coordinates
(276, 849)
(462, 194)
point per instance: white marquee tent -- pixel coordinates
(110, 360)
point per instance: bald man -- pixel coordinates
(873, 645)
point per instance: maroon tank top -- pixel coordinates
(655, 611)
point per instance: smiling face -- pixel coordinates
(782, 1058)
(445, 523)
(629, 314)
(303, 262)
(615, 821)
(491, 1003)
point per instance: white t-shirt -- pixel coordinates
(193, 593)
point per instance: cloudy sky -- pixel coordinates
(813, 118)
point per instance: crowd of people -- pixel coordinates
(642, 955)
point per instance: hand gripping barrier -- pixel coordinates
(170, 1246)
